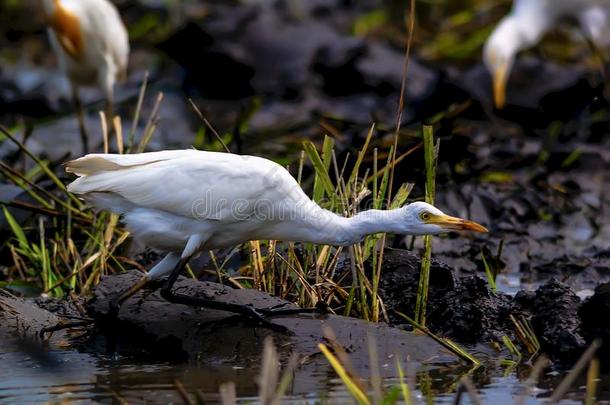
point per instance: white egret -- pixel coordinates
(528, 21)
(186, 201)
(92, 47)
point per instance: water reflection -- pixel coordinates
(83, 377)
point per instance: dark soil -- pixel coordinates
(466, 310)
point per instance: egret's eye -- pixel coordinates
(424, 216)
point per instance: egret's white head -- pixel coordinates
(424, 219)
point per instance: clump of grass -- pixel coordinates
(525, 334)
(66, 246)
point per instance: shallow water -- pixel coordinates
(68, 375)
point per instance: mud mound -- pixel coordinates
(466, 310)
(553, 313)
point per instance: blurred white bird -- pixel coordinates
(92, 47)
(186, 201)
(528, 21)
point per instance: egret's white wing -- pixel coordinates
(195, 184)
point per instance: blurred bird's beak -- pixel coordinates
(500, 77)
(456, 224)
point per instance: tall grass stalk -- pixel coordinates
(592, 382)
(431, 155)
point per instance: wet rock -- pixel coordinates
(213, 73)
(466, 310)
(31, 91)
(21, 321)
(323, 70)
(150, 323)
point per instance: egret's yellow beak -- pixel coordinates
(500, 77)
(456, 224)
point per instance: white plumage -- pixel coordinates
(528, 21)
(186, 201)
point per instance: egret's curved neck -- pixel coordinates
(529, 21)
(376, 221)
(332, 229)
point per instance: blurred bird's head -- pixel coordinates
(519, 30)
(499, 54)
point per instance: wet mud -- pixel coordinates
(465, 309)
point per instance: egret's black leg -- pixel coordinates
(246, 311)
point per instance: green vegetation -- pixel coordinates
(69, 247)
(431, 156)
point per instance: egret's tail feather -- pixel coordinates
(95, 163)
(90, 164)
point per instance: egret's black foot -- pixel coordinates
(65, 325)
(320, 308)
(257, 318)
(246, 312)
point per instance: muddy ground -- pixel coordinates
(460, 308)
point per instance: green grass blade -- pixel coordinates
(404, 386)
(430, 154)
(322, 182)
(491, 275)
(347, 380)
(401, 195)
(16, 228)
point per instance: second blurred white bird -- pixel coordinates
(91, 44)
(528, 21)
